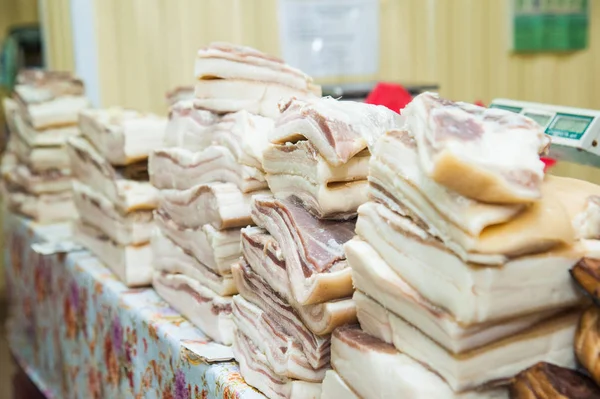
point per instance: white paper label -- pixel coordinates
(207, 352)
(330, 37)
(56, 247)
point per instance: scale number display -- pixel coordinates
(569, 126)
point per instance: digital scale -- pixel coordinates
(575, 132)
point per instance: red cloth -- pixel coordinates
(548, 163)
(390, 95)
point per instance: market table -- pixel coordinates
(78, 332)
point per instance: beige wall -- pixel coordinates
(55, 17)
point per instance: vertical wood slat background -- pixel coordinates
(148, 46)
(55, 18)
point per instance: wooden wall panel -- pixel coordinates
(55, 17)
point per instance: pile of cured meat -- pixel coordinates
(284, 218)
(209, 169)
(461, 261)
(111, 191)
(41, 115)
(294, 282)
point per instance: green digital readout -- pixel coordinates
(569, 126)
(541, 119)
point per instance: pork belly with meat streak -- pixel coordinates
(44, 182)
(49, 137)
(283, 352)
(178, 94)
(255, 368)
(337, 129)
(43, 208)
(11, 112)
(486, 154)
(222, 205)
(550, 340)
(216, 249)
(124, 227)
(265, 257)
(320, 153)
(376, 278)
(203, 307)
(312, 248)
(127, 187)
(177, 168)
(131, 263)
(315, 348)
(51, 100)
(39, 159)
(122, 136)
(219, 149)
(471, 293)
(230, 78)
(187, 124)
(172, 259)
(371, 368)
(478, 232)
(332, 192)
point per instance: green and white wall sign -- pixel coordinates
(549, 25)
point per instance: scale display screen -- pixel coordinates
(541, 119)
(569, 126)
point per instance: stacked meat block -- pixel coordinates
(232, 78)
(178, 94)
(111, 190)
(548, 381)
(41, 116)
(208, 171)
(293, 280)
(462, 257)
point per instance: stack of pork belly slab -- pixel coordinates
(205, 193)
(293, 280)
(545, 380)
(41, 116)
(178, 94)
(210, 168)
(113, 196)
(549, 381)
(232, 78)
(462, 257)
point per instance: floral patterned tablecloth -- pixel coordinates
(79, 333)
